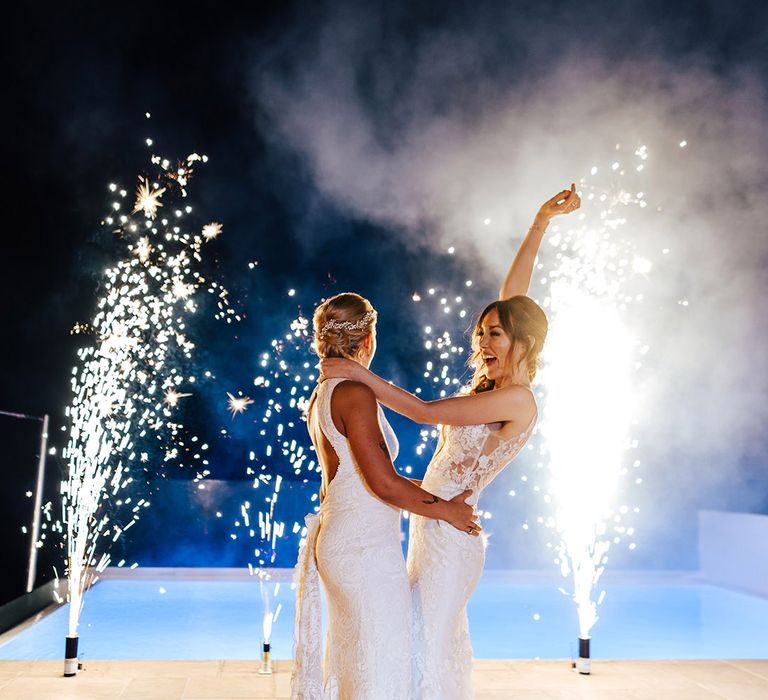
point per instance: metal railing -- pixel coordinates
(37, 513)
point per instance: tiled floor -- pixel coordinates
(510, 680)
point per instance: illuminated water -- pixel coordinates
(222, 620)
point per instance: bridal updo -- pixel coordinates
(341, 323)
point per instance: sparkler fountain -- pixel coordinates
(591, 399)
(266, 626)
(585, 425)
(282, 445)
(126, 386)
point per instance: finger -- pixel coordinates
(472, 527)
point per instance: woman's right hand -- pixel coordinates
(563, 202)
(462, 515)
(339, 368)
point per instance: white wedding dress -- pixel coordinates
(444, 565)
(353, 546)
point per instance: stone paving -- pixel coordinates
(494, 679)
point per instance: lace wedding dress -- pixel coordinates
(353, 546)
(444, 565)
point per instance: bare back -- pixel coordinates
(326, 419)
(326, 455)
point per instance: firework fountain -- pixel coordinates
(130, 379)
(591, 398)
(283, 387)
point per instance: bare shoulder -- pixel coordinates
(352, 394)
(520, 399)
(516, 392)
(354, 404)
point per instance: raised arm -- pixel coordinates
(501, 405)
(518, 278)
(359, 413)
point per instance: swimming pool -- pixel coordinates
(512, 615)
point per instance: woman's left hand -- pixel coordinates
(563, 202)
(338, 367)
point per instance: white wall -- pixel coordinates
(733, 550)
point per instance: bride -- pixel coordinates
(353, 543)
(482, 432)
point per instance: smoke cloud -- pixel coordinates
(432, 130)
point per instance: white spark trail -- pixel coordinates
(139, 341)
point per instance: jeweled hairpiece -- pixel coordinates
(363, 322)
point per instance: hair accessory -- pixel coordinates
(358, 325)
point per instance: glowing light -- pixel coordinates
(148, 199)
(132, 350)
(285, 387)
(585, 425)
(588, 383)
(211, 231)
(181, 289)
(641, 265)
(238, 404)
(172, 397)
(143, 249)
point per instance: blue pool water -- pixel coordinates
(133, 619)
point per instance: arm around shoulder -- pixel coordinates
(359, 412)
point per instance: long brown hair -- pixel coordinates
(524, 321)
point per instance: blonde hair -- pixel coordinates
(341, 323)
(523, 321)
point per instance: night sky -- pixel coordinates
(222, 80)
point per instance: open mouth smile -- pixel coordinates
(490, 360)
